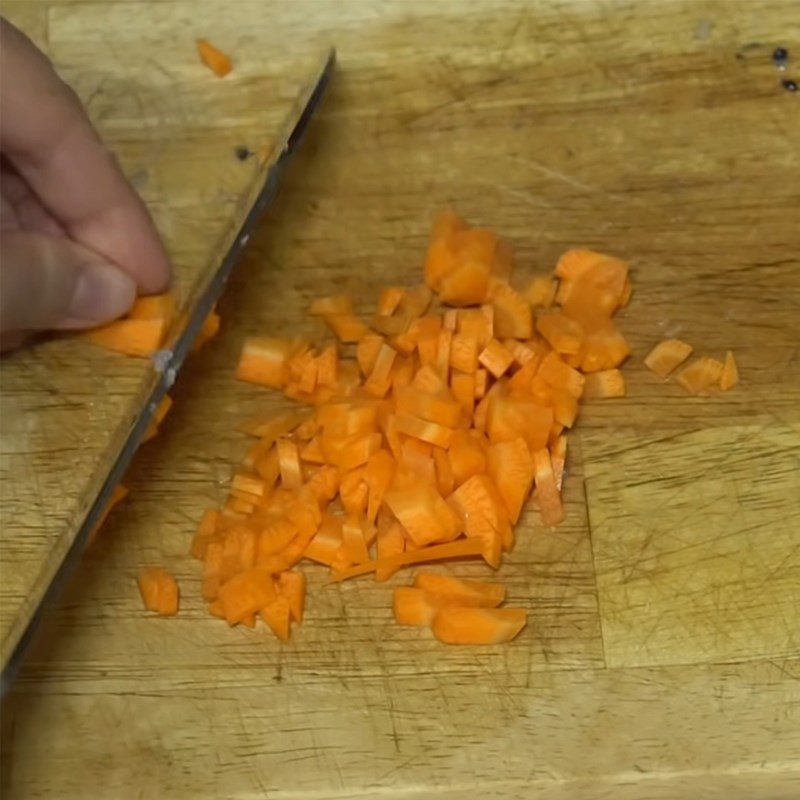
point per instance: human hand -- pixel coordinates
(76, 242)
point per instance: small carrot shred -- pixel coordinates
(217, 61)
(606, 383)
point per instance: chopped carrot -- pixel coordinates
(217, 61)
(134, 337)
(459, 591)
(159, 591)
(413, 606)
(438, 552)
(729, 376)
(700, 375)
(458, 625)
(607, 383)
(338, 304)
(346, 327)
(118, 493)
(424, 446)
(496, 358)
(666, 356)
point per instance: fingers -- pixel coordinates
(51, 282)
(48, 138)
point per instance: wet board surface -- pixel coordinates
(662, 658)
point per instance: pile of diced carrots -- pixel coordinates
(424, 430)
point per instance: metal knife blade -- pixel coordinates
(169, 360)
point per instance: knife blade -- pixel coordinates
(169, 360)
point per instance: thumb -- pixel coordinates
(52, 282)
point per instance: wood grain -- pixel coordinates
(67, 408)
(662, 656)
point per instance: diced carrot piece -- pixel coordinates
(478, 499)
(346, 327)
(355, 546)
(564, 335)
(390, 542)
(464, 353)
(477, 324)
(666, 356)
(246, 593)
(429, 381)
(559, 375)
(604, 348)
(205, 532)
(264, 360)
(445, 481)
(547, 492)
(390, 325)
(390, 298)
(268, 427)
(292, 586)
(154, 306)
(134, 337)
(462, 385)
(277, 615)
(466, 284)
(421, 510)
(328, 366)
(159, 591)
(367, 351)
(700, 375)
(496, 358)
(438, 552)
(415, 301)
(607, 383)
(443, 353)
(511, 468)
(289, 464)
(449, 590)
(326, 542)
(450, 319)
(425, 430)
(217, 61)
(455, 625)
(512, 313)
(481, 383)
(427, 339)
(558, 459)
(336, 304)
(413, 606)
(511, 416)
(434, 407)
(274, 539)
(729, 376)
(379, 381)
(378, 476)
(467, 456)
(541, 292)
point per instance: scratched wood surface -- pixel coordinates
(67, 407)
(662, 658)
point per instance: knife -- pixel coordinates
(169, 360)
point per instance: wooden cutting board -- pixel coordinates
(67, 406)
(662, 655)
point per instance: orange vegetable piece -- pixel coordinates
(159, 591)
(289, 464)
(496, 358)
(700, 375)
(563, 334)
(336, 304)
(390, 298)
(730, 373)
(547, 492)
(666, 356)
(278, 614)
(118, 493)
(423, 513)
(467, 456)
(511, 468)
(439, 552)
(512, 313)
(449, 590)
(264, 360)
(217, 61)
(346, 327)
(389, 542)
(134, 337)
(246, 593)
(559, 375)
(292, 586)
(457, 625)
(326, 542)
(606, 383)
(541, 292)
(208, 330)
(413, 606)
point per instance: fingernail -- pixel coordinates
(102, 293)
